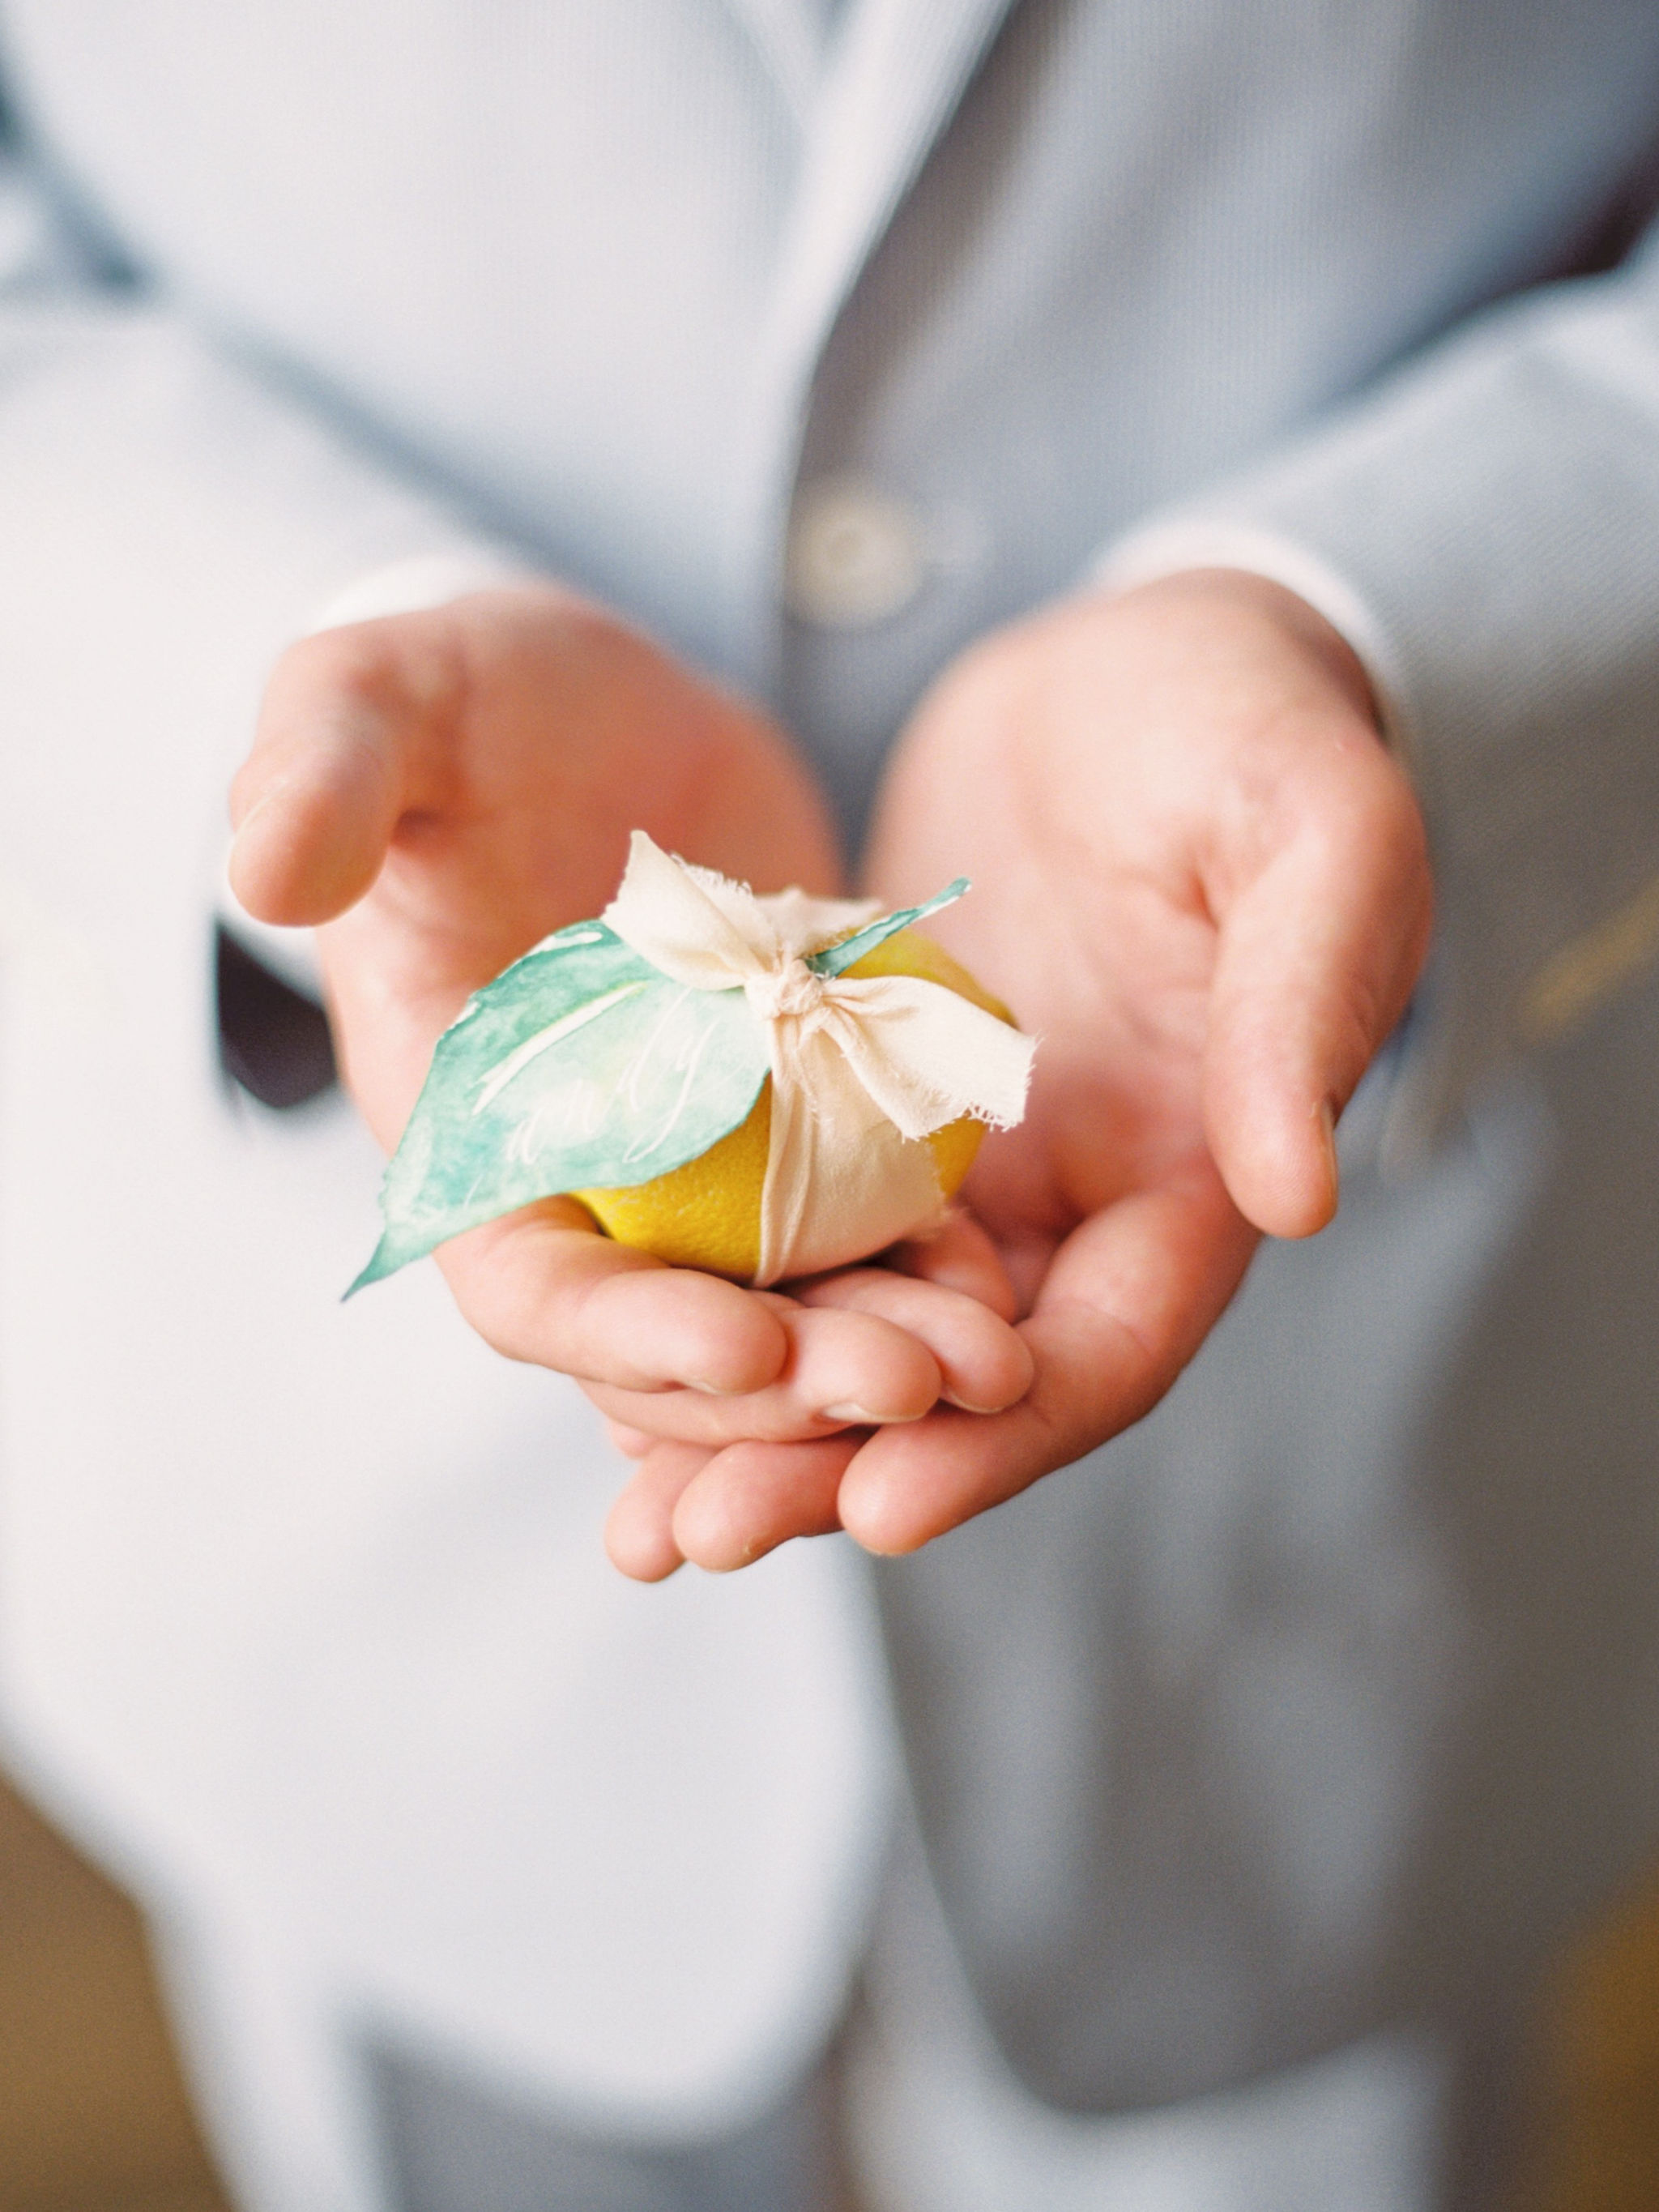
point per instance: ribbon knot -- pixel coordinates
(791, 991)
(862, 1067)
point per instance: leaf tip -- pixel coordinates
(384, 1261)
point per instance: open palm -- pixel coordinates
(1200, 880)
(440, 790)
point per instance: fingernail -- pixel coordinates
(862, 1417)
(271, 792)
(964, 1406)
(1328, 1129)
(237, 845)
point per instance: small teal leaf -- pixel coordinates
(581, 1067)
(837, 958)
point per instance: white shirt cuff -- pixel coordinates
(1169, 548)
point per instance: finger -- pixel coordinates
(1316, 957)
(540, 1288)
(841, 1368)
(984, 1363)
(639, 1530)
(1129, 1298)
(960, 1257)
(751, 1498)
(340, 753)
(632, 1444)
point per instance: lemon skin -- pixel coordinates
(706, 1214)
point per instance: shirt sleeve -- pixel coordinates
(1484, 527)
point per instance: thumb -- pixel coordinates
(1317, 957)
(315, 804)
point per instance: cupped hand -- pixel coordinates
(440, 790)
(1202, 879)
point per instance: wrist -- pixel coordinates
(1234, 593)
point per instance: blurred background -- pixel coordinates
(94, 2116)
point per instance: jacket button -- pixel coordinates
(855, 557)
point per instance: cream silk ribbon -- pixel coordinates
(862, 1067)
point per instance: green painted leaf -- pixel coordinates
(581, 1067)
(837, 958)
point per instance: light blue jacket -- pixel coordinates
(1330, 1695)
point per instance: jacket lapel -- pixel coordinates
(790, 36)
(889, 80)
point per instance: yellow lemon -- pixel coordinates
(707, 1213)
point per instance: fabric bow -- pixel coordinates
(863, 1068)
